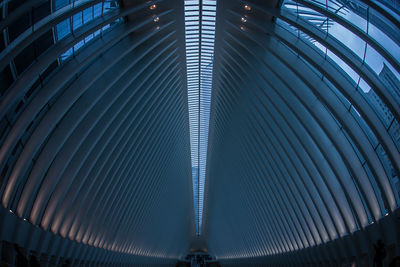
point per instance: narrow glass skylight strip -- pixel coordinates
(199, 66)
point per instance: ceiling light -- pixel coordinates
(156, 19)
(243, 19)
(247, 7)
(152, 7)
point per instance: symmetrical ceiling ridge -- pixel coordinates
(146, 132)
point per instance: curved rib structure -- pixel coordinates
(297, 160)
(304, 141)
(95, 150)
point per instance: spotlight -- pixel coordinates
(156, 19)
(243, 19)
(152, 7)
(247, 7)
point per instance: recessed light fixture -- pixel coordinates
(243, 19)
(242, 28)
(156, 19)
(158, 27)
(152, 7)
(247, 7)
(24, 219)
(11, 211)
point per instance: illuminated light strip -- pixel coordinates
(199, 36)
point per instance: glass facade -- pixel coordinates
(361, 30)
(73, 23)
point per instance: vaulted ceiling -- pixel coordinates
(302, 153)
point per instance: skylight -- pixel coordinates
(199, 36)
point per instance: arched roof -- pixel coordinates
(302, 153)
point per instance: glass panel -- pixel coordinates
(77, 21)
(97, 10)
(63, 29)
(66, 55)
(199, 64)
(352, 41)
(78, 45)
(81, 18)
(87, 15)
(346, 68)
(374, 59)
(385, 41)
(60, 4)
(358, 14)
